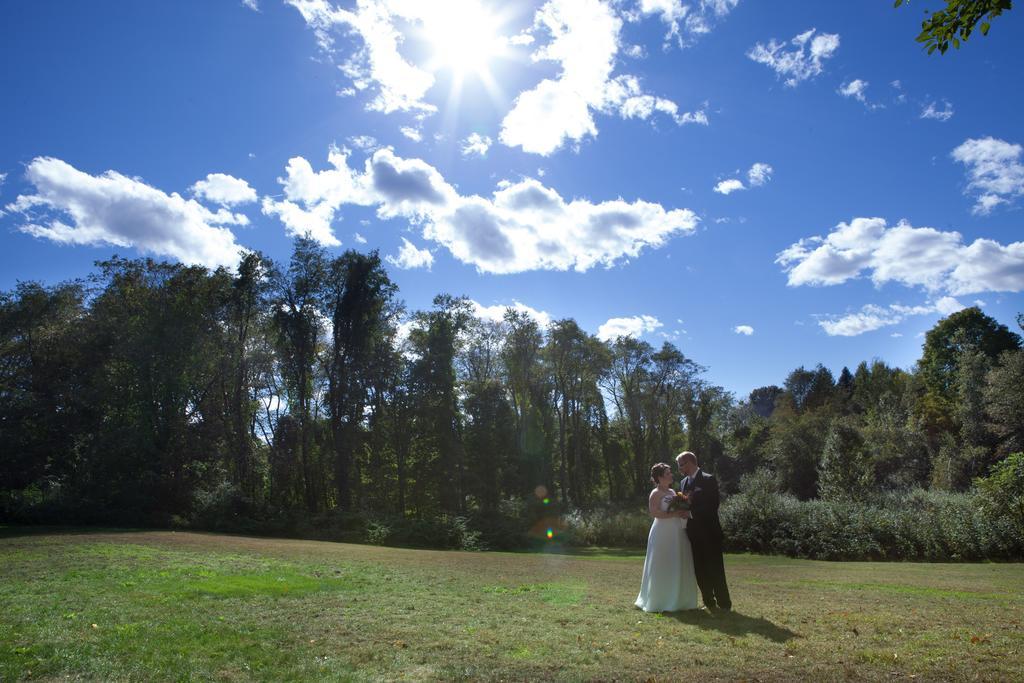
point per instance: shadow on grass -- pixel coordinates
(733, 624)
(15, 531)
(574, 551)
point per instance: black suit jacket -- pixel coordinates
(704, 523)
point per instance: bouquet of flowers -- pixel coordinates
(680, 501)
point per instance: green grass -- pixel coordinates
(179, 606)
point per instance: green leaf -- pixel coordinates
(984, 28)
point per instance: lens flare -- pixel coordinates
(551, 533)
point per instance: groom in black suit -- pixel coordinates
(705, 532)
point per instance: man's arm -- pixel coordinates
(705, 502)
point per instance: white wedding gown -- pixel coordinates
(669, 583)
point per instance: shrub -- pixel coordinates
(1002, 492)
(906, 525)
(224, 508)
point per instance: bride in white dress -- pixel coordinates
(669, 583)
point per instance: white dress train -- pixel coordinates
(669, 583)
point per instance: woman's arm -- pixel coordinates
(654, 507)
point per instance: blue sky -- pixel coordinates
(766, 185)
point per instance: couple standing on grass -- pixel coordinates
(684, 548)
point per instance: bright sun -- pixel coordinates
(463, 36)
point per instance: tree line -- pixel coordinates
(151, 391)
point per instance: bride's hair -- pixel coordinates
(657, 471)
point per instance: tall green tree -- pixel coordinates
(45, 415)
(762, 399)
(359, 299)
(435, 340)
(490, 420)
(1004, 402)
(529, 393)
(944, 343)
(626, 382)
(576, 364)
(845, 471)
(299, 326)
(158, 329)
(795, 447)
(975, 439)
(246, 319)
(936, 408)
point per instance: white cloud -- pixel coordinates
(800, 63)
(412, 133)
(872, 317)
(224, 190)
(729, 186)
(635, 51)
(400, 86)
(584, 43)
(931, 112)
(526, 226)
(759, 174)
(522, 226)
(582, 39)
(901, 97)
(251, 4)
(743, 329)
(915, 257)
(313, 198)
(687, 20)
(126, 212)
(476, 144)
(628, 327)
(699, 116)
(522, 39)
(3, 178)
(359, 238)
(856, 89)
(624, 95)
(496, 313)
(947, 305)
(411, 257)
(995, 171)
(363, 142)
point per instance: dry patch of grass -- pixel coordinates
(181, 606)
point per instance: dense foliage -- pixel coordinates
(954, 23)
(303, 398)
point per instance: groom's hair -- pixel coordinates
(686, 456)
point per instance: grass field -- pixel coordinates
(182, 606)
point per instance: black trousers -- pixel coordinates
(709, 566)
